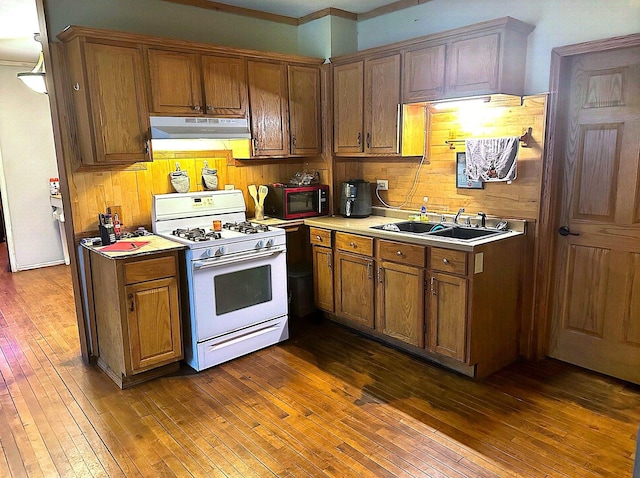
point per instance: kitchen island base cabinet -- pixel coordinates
(137, 315)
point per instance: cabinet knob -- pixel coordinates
(399, 253)
(445, 260)
(319, 238)
(352, 244)
(197, 107)
(209, 107)
(76, 87)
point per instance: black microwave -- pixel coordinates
(296, 202)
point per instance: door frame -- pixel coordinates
(552, 177)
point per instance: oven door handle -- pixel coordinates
(236, 258)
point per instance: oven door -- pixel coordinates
(234, 292)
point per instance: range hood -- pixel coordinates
(171, 127)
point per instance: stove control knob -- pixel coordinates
(259, 244)
(270, 243)
(208, 253)
(222, 250)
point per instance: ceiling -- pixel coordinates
(19, 20)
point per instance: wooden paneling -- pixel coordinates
(92, 192)
(437, 179)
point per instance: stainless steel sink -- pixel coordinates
(406, 226)
(464, 233)
(439, 230)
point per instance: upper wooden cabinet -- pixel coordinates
(484, 58)
(193, 84)
(106, 86)
(367, 106)
(269, 108)
(423, 77)
(304, 110)
(285, 109)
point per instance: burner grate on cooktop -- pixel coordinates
(246, 227)
(196, 234)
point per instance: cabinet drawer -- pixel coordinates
(401, 252)
(149, 269)
(352, 243)
(447, 260)
(320, 237)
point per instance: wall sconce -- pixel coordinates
(34, 79)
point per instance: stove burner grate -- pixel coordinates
(245, 227)
(196, 234)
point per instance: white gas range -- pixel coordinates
(236, 276)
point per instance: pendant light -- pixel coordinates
(34, 79)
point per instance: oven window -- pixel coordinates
(302, 201)
(237, 290)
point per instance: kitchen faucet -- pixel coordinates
(455, 219)
(483, 219)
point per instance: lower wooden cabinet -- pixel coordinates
(459, 308)
(137, 315)
(446, 332)
(354, 282)
(400, 291)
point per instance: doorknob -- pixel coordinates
(565, 231)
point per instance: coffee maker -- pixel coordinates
(355, 198)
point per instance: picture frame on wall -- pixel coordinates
(462, 181)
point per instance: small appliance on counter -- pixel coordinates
(355, 198)
(286, 201)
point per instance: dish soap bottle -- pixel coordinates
(423, 210)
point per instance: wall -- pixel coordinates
(27, 161)
(557, 23)
(437, 178)
(166, 19)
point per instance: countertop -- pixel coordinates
(363, 226)
(155, 244)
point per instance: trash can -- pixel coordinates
(300, 289)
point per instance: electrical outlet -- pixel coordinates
(383, 184)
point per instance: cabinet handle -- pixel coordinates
(329, 260)
(439, 89)
(380, 274)
(132, 304)
(197, 107)
(255, 145)
(445, 260)
(368, 140)
(293, 140)
(399, 253)
(369, 276)
(432, 285)
(360, 139)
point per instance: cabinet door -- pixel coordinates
(117, 106)
(175, 82)
(355, 288)
(304, 110)
(400, 302)
(323, 278)
(153, 317)
(447, 322)
(269, 108)
(382, 105)
(225, 86)
(423, 74)
(472, 66)
(348, 108)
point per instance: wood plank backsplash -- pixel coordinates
(132, 188)
(437, 178)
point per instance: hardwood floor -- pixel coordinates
(325, 403)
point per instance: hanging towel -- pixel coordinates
(492, 159)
